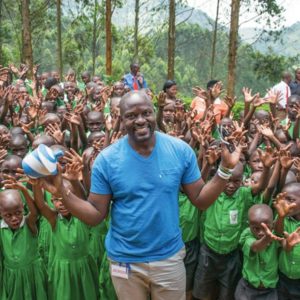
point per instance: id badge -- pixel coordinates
(120, 271)
(233, 216)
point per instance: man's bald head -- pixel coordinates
(133, 97)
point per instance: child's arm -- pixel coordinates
(42, 206)
(263, 243)
(268, 158)
(291, 240)
(31, 219)
(297, 124)
(286, 162)
(268, 192)
(283, 208)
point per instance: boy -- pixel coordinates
(260, 263)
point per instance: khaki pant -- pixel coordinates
(163, 280)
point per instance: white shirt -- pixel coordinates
(285, 92)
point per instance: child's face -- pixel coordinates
(293, 196)
(255, 162)
(19, 148)
(13, 215)
(233, 184)
(256, 228)
(60, 207)
(169, 113)
(254, 178)
(119, 89)
(10, 167)
(95, 124)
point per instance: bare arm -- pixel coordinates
(203, 195)
(42, 206)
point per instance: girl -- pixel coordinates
(72, 270)
(24, 274)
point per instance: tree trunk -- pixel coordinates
(213, 53)
(233, 39)
(136, 30)
(108, 38)
(59, 43)
(26, 36)
(171, 39)
(1, 51)
(94, 37)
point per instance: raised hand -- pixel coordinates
(161, 99)
(3, 154)
(229, 101)
(286, 160)
(72, 156)
(248, 98)
(268, 157)
(293, 238)
(217, 89)
(265, 130)
(72, 118)
(106, 93)
(26, 127)
(200, 92)
(10, 182)
(269, 233)
(212, 154)
(272, 96)
(73, 171)
(55, 131)
(282, 206)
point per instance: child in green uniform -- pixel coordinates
(219, 263)
(260, 253)
(288, 223)
(24, 274)
(189, 224)
(72, 270)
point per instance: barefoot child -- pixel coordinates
(24, 275)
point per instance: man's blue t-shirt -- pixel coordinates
(145, 211)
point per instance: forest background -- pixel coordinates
(85, 35)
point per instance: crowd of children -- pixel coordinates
(244, 246)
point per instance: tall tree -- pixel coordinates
(59, 41)
(27, 57)
(94, 36)
(136, 30)
(171, 39)
(213, 54)
(233, 40)
(108, 37)
(1, 51)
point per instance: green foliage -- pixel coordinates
(270, 66)
(192, 56)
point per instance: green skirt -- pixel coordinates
(75, 279)
(25, 282)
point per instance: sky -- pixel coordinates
(291, 14)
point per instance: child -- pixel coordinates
(24, 275)
(219, 262)
(288, 222)
(260, 263)
(72, 270)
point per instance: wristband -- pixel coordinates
(222, 174)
